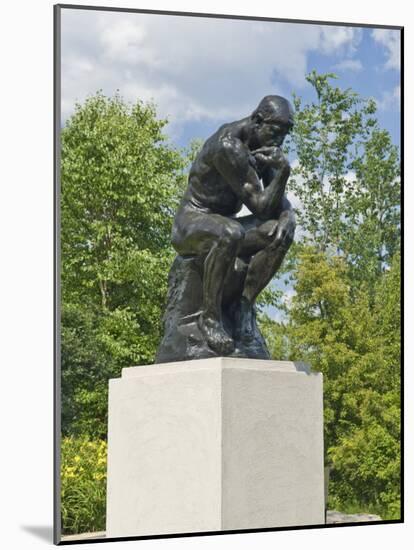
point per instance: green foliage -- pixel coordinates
(346, 177)
(373, 210)
(276, 338)
(83, 485)
(368, 446)
(85, 372)
(120, 185)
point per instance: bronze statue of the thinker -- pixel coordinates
(225, 261)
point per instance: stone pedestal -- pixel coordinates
(214, 444)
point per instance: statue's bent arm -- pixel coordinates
(235, 163)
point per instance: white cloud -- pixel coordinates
(390, 99)
(193, 68)
(350, 176)
(349, 65)
(390, 39)
(335, 38)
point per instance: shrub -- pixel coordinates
(83, 485)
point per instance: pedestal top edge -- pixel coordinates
(217, 362)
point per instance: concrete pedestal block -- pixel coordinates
(213, 445)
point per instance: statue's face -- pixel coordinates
(272, 130)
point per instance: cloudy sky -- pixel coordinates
(202, 72)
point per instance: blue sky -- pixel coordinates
(202, 72)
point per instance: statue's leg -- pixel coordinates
(263, 266)
(218, 240)
(267, 254)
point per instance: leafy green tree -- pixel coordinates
(85, 368)
(120, 185)
(372, 211)
(83, 478)
(346, 178)
(325, 139)
(366, 456)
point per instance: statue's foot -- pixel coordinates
(217, 338)
(245, 321)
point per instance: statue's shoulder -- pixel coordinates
(215, 141)
(225, 137)
(228, 130)
(216, 138)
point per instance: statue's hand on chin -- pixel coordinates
(270, 157)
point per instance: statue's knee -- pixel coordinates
(282, 244)
(232, 236)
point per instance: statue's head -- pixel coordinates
(271, 121)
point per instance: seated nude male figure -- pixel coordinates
(239, 164)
